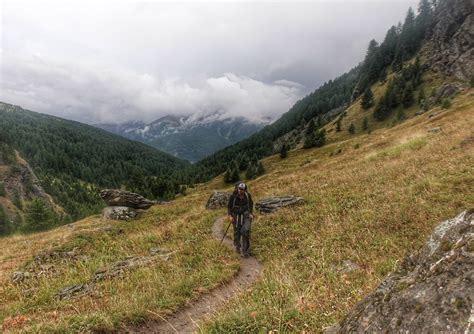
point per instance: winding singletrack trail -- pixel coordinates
(187, 319)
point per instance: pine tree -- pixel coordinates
(424, 19)
(365, 124)
(283, 151)
(227, 176)
(338, 124)
(421, 97)
(235, 175)
(38, 216)
(260, 169)
(407, 98)
(319, 138)
(251, 172)
(5, 225)
(311, 127)
(367, 99)
(351, 129)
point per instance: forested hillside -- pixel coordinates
(73, 161)
(400, 44)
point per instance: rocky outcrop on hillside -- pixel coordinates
(218, 199)
(123, 205)
(271, 204)
(116, 197)
(430, 293)
(20, 180)
(453, 39)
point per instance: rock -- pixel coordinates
(120, 267)
(115, 197)
(431, 292)
(74, 291)
(349, 266)
(20, 276)
(118, 213)
(218, 199)
(272, 204)
(435, 130)
(452, 39)
(447, 90)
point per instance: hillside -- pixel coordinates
(20, 191)
(436, 39)
(73, 160)
(188, 137)
(387, 174)
(417, 178)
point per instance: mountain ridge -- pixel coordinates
(191, 137)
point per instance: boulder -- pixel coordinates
(120, 267)
(431, 292)
(119, 213)
(217, 200)
(115, 197)
(272, 204)
(447, 90)
(452, 38)
(74, 291)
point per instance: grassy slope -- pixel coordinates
(372, 203)
(184, 227)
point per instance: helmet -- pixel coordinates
(242, 186)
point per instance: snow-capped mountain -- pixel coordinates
(191, 137)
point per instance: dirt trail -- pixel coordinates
(187, 319)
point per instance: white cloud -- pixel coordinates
(91, 93)
(98, 61)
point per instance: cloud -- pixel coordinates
(102, 61)
(95, 94)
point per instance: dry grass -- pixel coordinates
(371, 199)
(198, 263)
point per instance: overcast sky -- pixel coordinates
(115, 61)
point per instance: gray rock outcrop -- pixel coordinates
(217, 200)
(453, 39)
(431, 292)
(119, 213)
(272, 204)
(115, 197)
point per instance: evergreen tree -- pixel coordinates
(319, 138)
(260, 169)
(311, 127)
(283, 151)
(235, 176)
(38, 216)
(338, 124)
(351, 129)
(227, 176)
(16, 200)
(251, 172)
(421, 97)
(367, 99)
(5, 225)
(407, 98)
(424, 19)
(365, 124)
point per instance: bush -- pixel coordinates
(2, 189)
(446, 104)
(352, 129)
(38, 216)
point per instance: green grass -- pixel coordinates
(371, 206)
